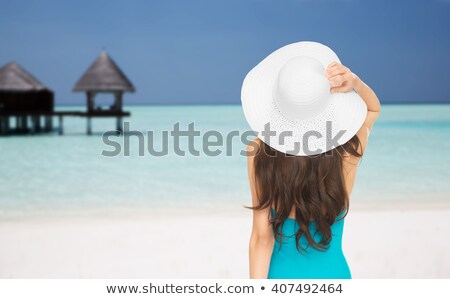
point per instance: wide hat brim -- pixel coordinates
(337, 123)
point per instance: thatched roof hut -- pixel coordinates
(22, 92)
(104, 76)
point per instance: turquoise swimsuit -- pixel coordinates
(290, 263)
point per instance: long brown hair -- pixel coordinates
(313, 185)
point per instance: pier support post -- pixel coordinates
(36, 123)
(22, 123)
(48, 123)
(89, 125)
(32, 127)
(119, 124)
(60, 127)
(4, 125)
(7, 124)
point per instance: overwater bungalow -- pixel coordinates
(25, 99)
(104, 76)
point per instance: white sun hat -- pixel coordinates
(288, 94)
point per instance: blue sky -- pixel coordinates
(199, 51)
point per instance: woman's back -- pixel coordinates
(287, 262)
(318, 205)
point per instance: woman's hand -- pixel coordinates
(341, 78)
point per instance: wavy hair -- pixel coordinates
(313, 185)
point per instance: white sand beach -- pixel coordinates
(395, 242)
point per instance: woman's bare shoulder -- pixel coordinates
(350, 161)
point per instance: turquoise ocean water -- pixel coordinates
(408, 159)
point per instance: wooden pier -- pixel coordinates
(43, 122)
